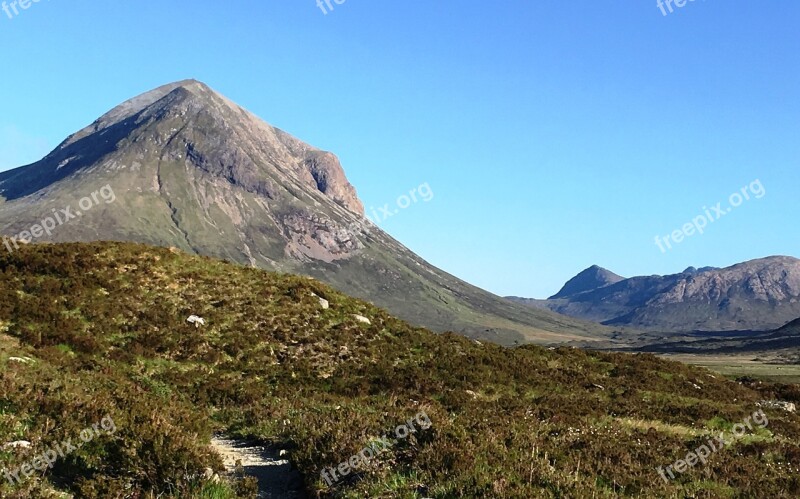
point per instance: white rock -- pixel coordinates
(777, 404)
(19, 444)
(23, 360)
(361, 318)
(325, 304)
(197, 321)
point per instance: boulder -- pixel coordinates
(21, 360)
(197, 321)
(778, 404)
(362, 319)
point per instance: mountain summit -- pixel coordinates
(592, 278)
(188, 121)
(184, 166)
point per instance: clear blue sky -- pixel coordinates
(554, 134)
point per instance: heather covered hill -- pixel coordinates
(105, 328)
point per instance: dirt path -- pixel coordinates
(276, 479)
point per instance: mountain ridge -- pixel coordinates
(758, 295)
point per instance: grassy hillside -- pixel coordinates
(105, 327)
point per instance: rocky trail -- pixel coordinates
(276, 478)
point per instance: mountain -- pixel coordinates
(316, 386)
(592, 278)
(758, 295)
(182, 166)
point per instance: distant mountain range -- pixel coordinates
(758, 295)
(189, 168)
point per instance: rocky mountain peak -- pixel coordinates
(138, 104)
(592, 278)
(188, 123)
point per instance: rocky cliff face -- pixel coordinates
(193, 170)
(769, 280)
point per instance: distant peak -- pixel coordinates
(146, 99)
(193, 86)
(598, 269)
(592, 278)
(190, 82)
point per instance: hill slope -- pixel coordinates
(758, 295)
(104, 326)
(188, 168)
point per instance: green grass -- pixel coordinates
(765, 366)
(215, 491)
